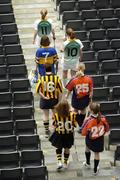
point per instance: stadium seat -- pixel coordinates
(5, 1)
(35, 173)
(117, 12)
(115, 43)
(15, 59)
(31, 158)
(99, 4)
(92, 67)
(106, 13)
(114, 139)
(23, 98)
(82, 35)
(20, 85)
(109, 107)
(10, 39)
(24, 112)
(113, 79)
(76, 25)
(1, 50)
(9, 159)
(110, 66)
(66, 6)
(115, 4)
(86, 45)
(3, 72)
(101, 44)
(69, 15)
(13, 49)
(8, 143)
(5, 99)
(118, 53)
(96, 34)
(28, 142)
(108, 54)
(4, 85)
(84, 5)
(17, 71)
(98, 80)
(12, 174)
(6, 128)
(116, 93)
(110, 23)
(113, 33)
(117, 154)
(7, 18)
(89, 14)
(88, 56)
(2, 59)
(6, 8)
(5, 114)
(113, 120)
(101, 94)
(10, 28)
(92, 24)
(25, 127)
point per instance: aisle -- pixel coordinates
(26, 11)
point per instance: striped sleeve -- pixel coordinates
(38, 86)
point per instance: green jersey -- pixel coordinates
(44, 28)
(72, 50)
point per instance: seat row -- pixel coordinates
(19, 173)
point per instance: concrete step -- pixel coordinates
(28, 1)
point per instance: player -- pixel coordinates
(72, 54)
(82, 87)
(43, 27)
(45, 55)
(63, 136)
(94, 128)
(50, 89)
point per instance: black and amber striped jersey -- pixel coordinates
(64, 125)
(50, 86)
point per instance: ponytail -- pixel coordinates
(43, 13)
(95, 108)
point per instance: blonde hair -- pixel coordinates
(81, 69)
(43, 13)
(70, 33)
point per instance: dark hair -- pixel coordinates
(95, 107)
(70, 33)
(43, 13)
(48, 67)
(63, 108)
(45, 41)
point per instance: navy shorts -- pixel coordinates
(80, 103)
(96, 145)
(48, 104)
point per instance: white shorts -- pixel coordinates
(72, 66)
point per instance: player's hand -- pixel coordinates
(54, 38)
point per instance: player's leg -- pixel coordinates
(87, 156)
(65, 74)
(96, 162)
(46, 121)
(59, 158)
(66, 156)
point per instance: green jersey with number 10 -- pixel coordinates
(72, 50)
(44, 28)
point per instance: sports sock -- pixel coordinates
(59, 154)
(66, 157)
(87, 155)
(46, 126)
(80, 118)
(96, 162)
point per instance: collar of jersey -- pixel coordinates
(45, 46)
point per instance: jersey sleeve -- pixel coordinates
(36, 24)
(106, 124)
(38, 86)
(91, 85)
(80, 43)
(55, 56)
(70, 85)
(85, 128)
(60, 85)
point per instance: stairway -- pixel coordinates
(26, 11)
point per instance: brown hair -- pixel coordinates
(95, 107)
(63, 108)
(43, 13)
(70, 33)
(45, 41)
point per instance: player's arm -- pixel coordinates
(91, 88)
(81, 55)
(53, 33)
(34, 36)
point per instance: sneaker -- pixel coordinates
(86, 165)
(59, 165)
(96, 173)
(66, 165)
